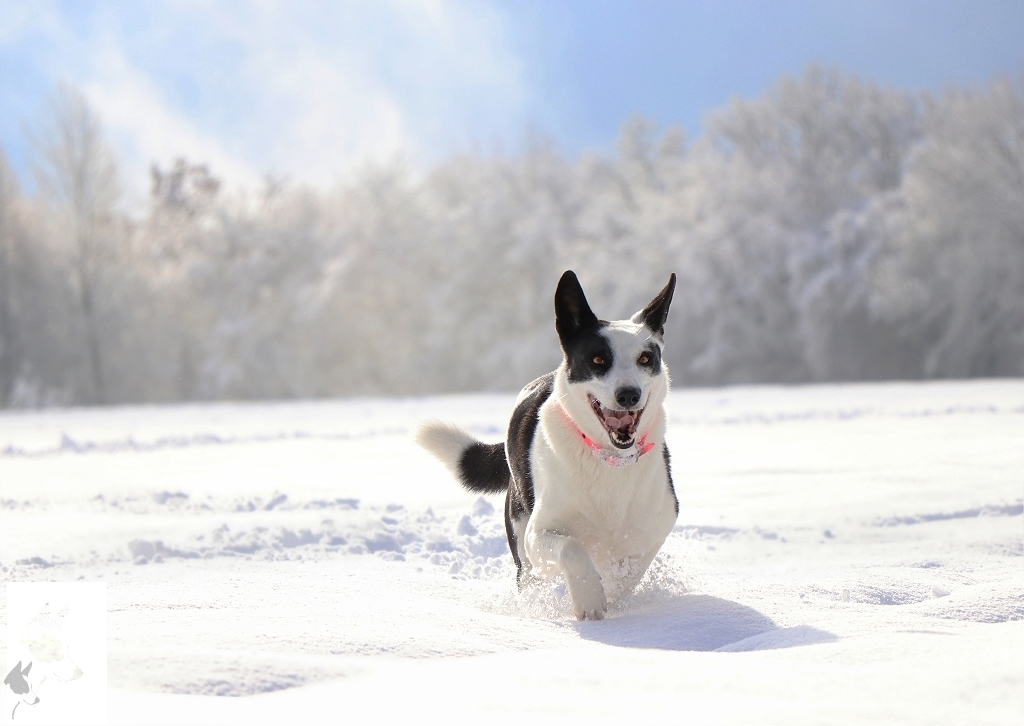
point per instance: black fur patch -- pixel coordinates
(581, 351)
(668, 472)
(483, 468)
(579, 332)
(522, 428)
(653, 366)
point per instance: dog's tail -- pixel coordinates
(479, 467)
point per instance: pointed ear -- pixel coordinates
(10, 676)
(572, 312)
(656, 312)
(27, 668)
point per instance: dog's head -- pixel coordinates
(20, 686)
(614, 369)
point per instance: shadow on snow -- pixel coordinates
(699, 622)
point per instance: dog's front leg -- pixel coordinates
(551, 550)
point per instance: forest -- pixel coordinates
(831, 230)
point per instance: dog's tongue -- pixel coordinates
(621, 425)
(622, 421)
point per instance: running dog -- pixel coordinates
(584, 465)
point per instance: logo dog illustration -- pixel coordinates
(46, 649)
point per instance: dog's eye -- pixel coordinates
(644, 359)
(597, 360)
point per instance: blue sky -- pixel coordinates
(314, 90)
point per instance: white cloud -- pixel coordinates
(342, 84)
(144, 129)
(307, 90)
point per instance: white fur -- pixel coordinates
(445, 441)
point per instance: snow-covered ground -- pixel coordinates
(843, 554)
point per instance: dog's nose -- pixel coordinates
(627, 396)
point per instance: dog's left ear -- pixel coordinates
(656, 312)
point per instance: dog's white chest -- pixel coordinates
(617, 513)
(620, 511)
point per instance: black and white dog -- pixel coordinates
(584, 464)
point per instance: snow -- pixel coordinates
(843, 554)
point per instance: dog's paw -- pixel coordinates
(589, 601)
(590, 615)
(526, 579)
(588, 597)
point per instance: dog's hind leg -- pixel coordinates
(516, 519)
(513, 537)
(553, 551)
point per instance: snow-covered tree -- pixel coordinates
(76, 169)
(831, 229)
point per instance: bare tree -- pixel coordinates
(187, 189)
(8, 190)
(76, 169)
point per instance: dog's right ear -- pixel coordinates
(572, 312)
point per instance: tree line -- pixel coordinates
(830, 230)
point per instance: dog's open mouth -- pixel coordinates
(621, 425)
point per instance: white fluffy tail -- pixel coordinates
(445, 441)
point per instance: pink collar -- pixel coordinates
(613, 457)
